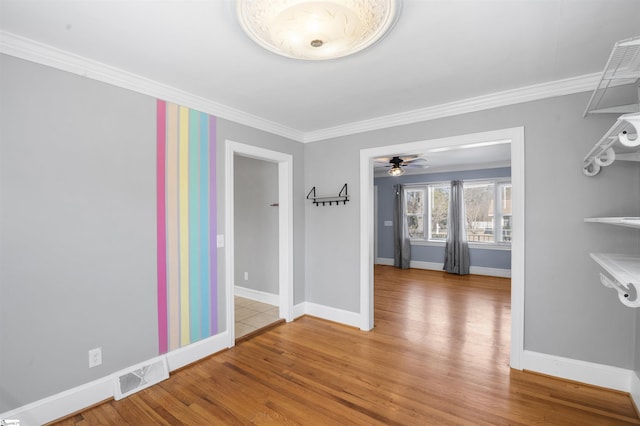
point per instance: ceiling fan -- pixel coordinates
(397, 163)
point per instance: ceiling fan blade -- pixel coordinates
(414, 158)
(384, 160)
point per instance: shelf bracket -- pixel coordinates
(627, 294)
(603, 154)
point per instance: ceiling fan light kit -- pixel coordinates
(396, 170)
(398, 163)
(316, 29)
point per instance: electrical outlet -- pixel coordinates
(95, 357)
(246, 276)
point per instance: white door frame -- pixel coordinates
(285, 227)
(516, 136)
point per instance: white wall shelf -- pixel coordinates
(621, 142)
(625, 270)
(622, 68)
(633, 222)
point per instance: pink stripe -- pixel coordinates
(162, 235)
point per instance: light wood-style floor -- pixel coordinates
(437, 356)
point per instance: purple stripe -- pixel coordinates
(162, 231)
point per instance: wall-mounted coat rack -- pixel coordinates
(342, 197)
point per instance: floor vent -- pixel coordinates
(140, 376)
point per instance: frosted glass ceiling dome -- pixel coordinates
(316, 29)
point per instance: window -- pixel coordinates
(415, 203)
(487, 207)
(438, 211)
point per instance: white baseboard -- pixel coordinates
(490, 272)
(67, 402)
(63, 403)
(435, 266)
(333, 314)
(186, 355)
(299, 310)
(580, 371)
(635, 389)
(257, 295)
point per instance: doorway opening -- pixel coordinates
(255, 236)
(515, 136)
(235, 151)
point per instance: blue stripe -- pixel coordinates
(205, 169)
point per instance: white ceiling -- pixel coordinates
(439, 52)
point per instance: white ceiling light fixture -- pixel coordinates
(316, 29)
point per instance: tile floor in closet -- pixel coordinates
(252, 315)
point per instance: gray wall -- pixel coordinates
(568, 312)
(256, 224)
(484, 257)
(78, 239)
(78, 227)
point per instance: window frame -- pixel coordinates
(498, 212)
(425, 210)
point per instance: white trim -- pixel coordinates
(31, 50)
(475, 246)
(189, 354)
(285, 227)
(332, 314)
(516, 136)
(257, 295)
(299, 310)
(40, 53)
(62, 404)
(634, 389)
(580, 371)
(80, 397)
(568, 86)
(435, 266)
(517, 247)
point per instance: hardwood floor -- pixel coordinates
(437, 356)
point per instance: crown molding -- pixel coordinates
(567, 86)
(24, 48)
(30, 50)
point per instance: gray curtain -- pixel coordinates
(456, 254)
(401, 242)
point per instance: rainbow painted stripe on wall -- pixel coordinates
(187, 258)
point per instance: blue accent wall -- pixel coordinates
(487, 258)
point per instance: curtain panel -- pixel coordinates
(401, 241)
(456, 254)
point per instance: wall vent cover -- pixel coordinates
(140, 376)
